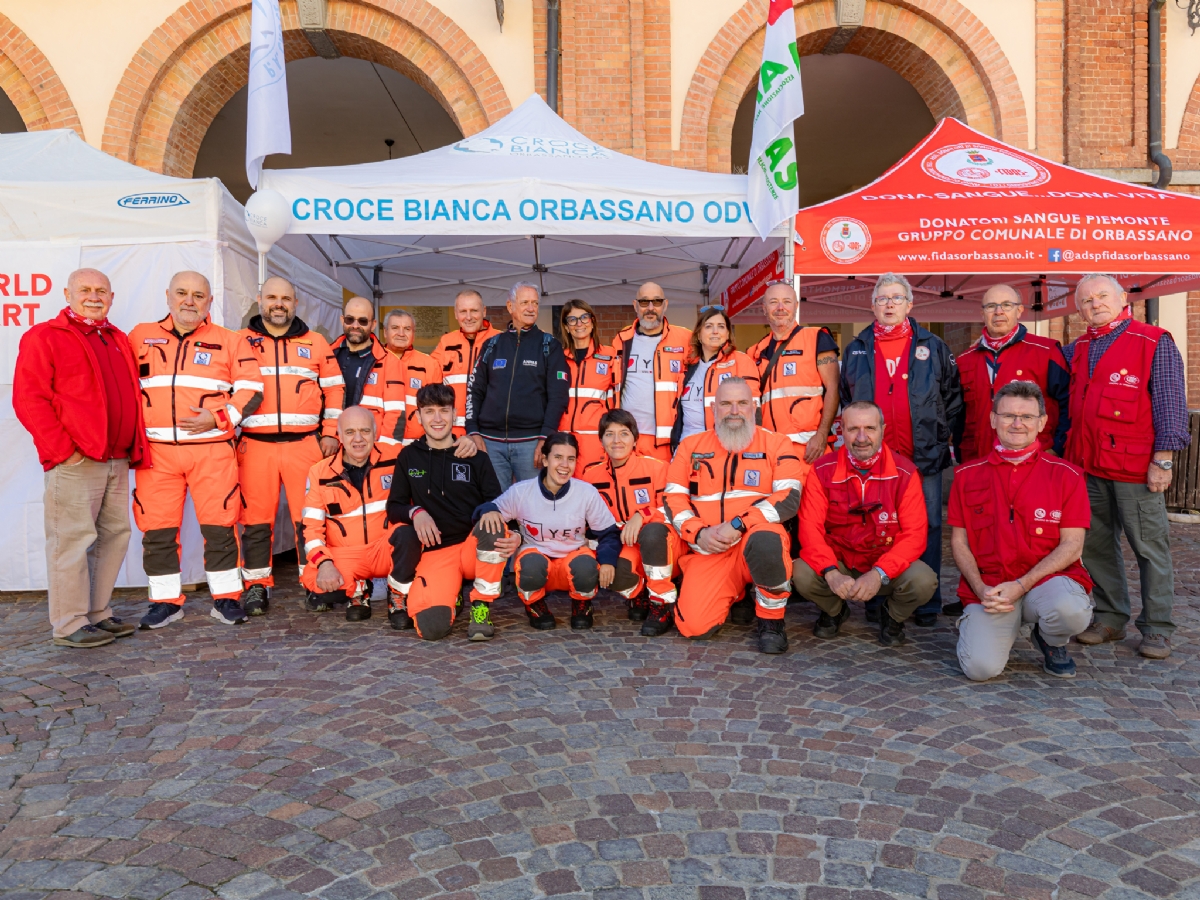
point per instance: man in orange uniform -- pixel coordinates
(302, 399)
(632, 485)
(728, 493)
(652, 354)
(347, 536)
(357, 350)
(199, 381)
(391, 389)
(457, 351)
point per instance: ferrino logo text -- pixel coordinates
(153, 201)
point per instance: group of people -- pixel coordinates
(704, 484)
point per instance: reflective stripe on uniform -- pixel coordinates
(673, 488)
(254, 574)
(172, 434)
(299, 371)
(590, 393)
(658, 573)
(398, 587)
(460, 421)
(386, 440)
(786, 484)
(487, 588)
(165, 587)
(313, 512)
(367, 508)
(281, 419)
(727, 495)
(371, 401)
(187, 381)
(310, 546)
(801, 437)
(331, 381)
(248, 386)
(797, 391)
(669, 597)
(489, 556)
(454, 379)
(768, 510)
(682, 517)
(663, 432)
(768, 602)
(666, 386)
(235, 414)
(331, 413)
(227, 581)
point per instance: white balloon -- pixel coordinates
(268, 218)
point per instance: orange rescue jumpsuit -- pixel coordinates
(390, 393)
(456, 354)
(590, 397)
(668, 367)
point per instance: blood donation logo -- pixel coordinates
(978, 164)
(845, 240)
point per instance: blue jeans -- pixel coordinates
(512, 461)
(931, 487)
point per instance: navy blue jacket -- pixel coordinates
(520, 386)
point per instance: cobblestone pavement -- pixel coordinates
(304, 755)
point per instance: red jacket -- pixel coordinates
(58, 394)
(877, 522)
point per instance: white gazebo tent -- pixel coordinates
(64, 204)
(529, 198)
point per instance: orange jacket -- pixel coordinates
(793, 395)
(212, 368)
(456, 354)
(728, 362)
(669, 359)
(636, 486)
(302, 382)
(591, 392)
(391, 394)
(708, 485)
(336, 514)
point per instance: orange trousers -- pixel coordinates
(662, 545)
(357, 564)
(577, 573)
(262, 467)
(437, 580)
(646, 447)
(209, 473)
(712, 583)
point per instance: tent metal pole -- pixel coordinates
(552, 54)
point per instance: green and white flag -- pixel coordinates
(773, 193)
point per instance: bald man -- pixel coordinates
(295, 427)
(357, 350)
(1006, 352)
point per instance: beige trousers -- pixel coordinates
(87, 534)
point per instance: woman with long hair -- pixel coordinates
(712, 358)
(590, 367)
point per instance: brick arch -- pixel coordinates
(943, 50)
(1187, 152)
(31, 83)
(197, 60)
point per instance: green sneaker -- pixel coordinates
(480, 627)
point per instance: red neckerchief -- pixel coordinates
(892, 332)
(1096, 331)
(1016, 457)
(997, 344)
(865, 465)
(88, 324)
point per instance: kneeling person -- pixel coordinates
(1023, 566)
(434, 494)
(557, 513)
(737, 481)
(346, 534)
(632, 485)
(863, 527)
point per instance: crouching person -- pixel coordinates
(1019, 517)
(434, 494)
(346, 535)
(863, 527)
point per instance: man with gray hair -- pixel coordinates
(909, 372)
(1128, 417)
(518, 391)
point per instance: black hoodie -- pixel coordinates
(446, 487)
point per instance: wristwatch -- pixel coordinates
(1164, 464)
(738, 524)
(883, 577)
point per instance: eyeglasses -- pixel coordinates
(647, 302)
(1007, 306)
(362, 321)
(1009, 419)
(889, 301)
(581, 319)
(713, 308)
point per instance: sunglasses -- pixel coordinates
(713, 308)
(647, 302)
(581, 319)
(356, 320)
(776, 281)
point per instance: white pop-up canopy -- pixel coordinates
(529, 198)
(63, 205)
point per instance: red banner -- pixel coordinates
(750, 287)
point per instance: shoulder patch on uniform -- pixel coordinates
(499, 363)
(304, 352)
(386, 481)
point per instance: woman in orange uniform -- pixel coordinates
(590, 367)
(711, 359)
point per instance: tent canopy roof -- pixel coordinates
(62, 155)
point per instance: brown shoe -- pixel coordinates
(1155, 646)
(87, 636)
(1099, 634)
(116, 627)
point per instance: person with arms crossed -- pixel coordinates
(457, 351)
(293, 428)
(1128, 417)
(433, 497)
(590, 368)
(75, 390)
(357, 350)
(556, 512)
(712, 357)
(863, 526)
(1019, 516)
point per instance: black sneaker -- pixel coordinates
(315, 602)
(581, 615)
(639, 608)
(828, 626)
(398, 615)
(256, 601)
(160, 615)
(953, 610)
(891, 632)
(85, 636)
(359, 608)
(539, 616)
(742, 612)
(772, 638)
(659, 618)
(228, 612)
(1057, 661)
(480, 628)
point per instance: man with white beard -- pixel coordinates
(736, 482)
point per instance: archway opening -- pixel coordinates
(10, 120)
(343, 111)
(860, 118)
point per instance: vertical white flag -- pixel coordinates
(268, 126)
(774, 194)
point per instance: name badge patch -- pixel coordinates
(155, 341)
(201, 358)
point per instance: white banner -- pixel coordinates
(268, 125)
(32, 278)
